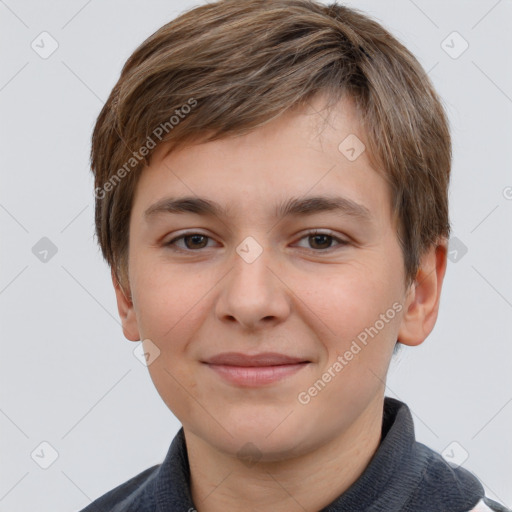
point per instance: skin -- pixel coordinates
(303, 296)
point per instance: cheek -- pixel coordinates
(359, 313)
(170, 308)
(349, 299)
(168, 302)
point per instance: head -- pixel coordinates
(262, 107)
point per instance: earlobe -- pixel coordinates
(423, 298)
(126, 311)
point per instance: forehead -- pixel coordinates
(317, 124)
(306, 152)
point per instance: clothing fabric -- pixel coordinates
(402, 476)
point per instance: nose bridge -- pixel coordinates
(250, 269)
(252, 292)
(253, 257)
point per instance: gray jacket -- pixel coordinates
(403, 476)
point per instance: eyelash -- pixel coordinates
(311, 233)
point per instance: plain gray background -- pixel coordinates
(68, 376)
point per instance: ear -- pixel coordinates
(126, 311)
(423, 296)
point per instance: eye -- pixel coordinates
(192, 241)
(322, 241)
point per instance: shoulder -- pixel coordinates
(447, 486)
(134, 494)
(488, 505)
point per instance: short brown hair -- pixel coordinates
(237, 65)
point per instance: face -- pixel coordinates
(313, 289)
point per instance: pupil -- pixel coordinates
(195, 239)
(325, 237)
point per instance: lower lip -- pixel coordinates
(252, 376)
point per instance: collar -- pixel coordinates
(403, 475)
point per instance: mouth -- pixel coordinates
(255, 370)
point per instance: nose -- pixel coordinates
(254, 294)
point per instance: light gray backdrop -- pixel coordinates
(70, 380)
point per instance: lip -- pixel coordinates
(255, 370)
(262, 359)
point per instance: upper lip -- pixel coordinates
(263, 359)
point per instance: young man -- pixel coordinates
(271, 195)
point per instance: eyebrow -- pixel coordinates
(293, 206)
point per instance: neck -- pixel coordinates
(310, 482)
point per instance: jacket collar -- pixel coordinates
(403, 475)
